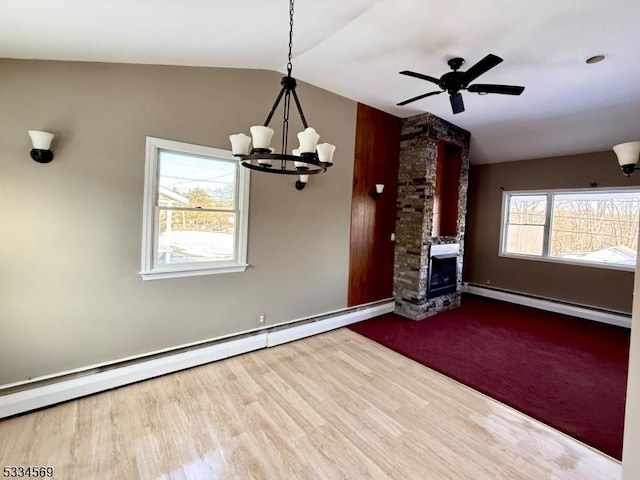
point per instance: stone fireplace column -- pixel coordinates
(428, 197)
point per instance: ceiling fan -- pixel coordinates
(453, 82)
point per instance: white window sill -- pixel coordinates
(162, 274)
(608, 266)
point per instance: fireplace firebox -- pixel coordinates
(443, 274)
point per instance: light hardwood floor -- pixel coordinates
(335, 406)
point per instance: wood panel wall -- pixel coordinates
(373, 219)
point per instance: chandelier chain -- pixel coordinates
(289, 64)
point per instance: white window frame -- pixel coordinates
(150, 227)
(547, 226)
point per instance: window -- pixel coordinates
(195, 211)
(594, 226)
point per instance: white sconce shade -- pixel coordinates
(41, 140)
(261, 136)
(379, 188)
(628, 153)
(304, 178)
(308, 140)
(325, 152)
(240, 143)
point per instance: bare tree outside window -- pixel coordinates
(525, 229)
(598, 227)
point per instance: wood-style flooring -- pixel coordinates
(334, 406)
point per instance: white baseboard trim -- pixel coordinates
(551, 306)
(290, 334)
(38, 397)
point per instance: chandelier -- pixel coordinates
(309, 158)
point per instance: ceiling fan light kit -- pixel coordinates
(455, 81)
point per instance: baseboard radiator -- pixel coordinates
(20, 398)
(580, 311)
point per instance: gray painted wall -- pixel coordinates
(608, 289)
(70, 293)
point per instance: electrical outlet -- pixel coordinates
(262, 318)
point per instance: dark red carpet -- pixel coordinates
(566, 372)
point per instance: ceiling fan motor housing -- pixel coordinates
(452, 82)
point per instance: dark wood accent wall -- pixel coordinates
(446, 194)
(373, 219)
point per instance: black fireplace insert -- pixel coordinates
(443, 276)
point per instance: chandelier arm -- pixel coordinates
(285, 124)
(299, 106)
(275, 105)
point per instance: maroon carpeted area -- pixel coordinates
(567, 372)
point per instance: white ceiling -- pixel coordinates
(357, 47)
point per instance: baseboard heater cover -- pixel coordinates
(618, 320)
(46, 395)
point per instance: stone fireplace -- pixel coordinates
(431, 209)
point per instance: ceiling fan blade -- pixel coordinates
(419, 97)
(491, 88)
(420, 76)
(487, 63)
(457, 105)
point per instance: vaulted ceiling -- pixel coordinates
(356, 48)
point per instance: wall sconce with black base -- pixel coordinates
(41, 152)
(628, 155)
(378, 191)
(300, 184)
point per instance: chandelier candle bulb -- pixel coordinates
(325, 152)
(308, 140)
(261, 136)
(240, 144)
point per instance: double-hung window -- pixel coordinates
(195, 211)
(596, 227)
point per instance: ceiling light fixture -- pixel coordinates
(628, 155)
(309, 159)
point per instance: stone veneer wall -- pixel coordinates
(419, 140)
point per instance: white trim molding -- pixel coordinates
(63, 390)
(549, 305)
(149, 268)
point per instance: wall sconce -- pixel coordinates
(300, 184)
(628, 154)
(379, 189)
(41, 144)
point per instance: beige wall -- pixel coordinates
(603, 288)
(631, 445)
(70, 293)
